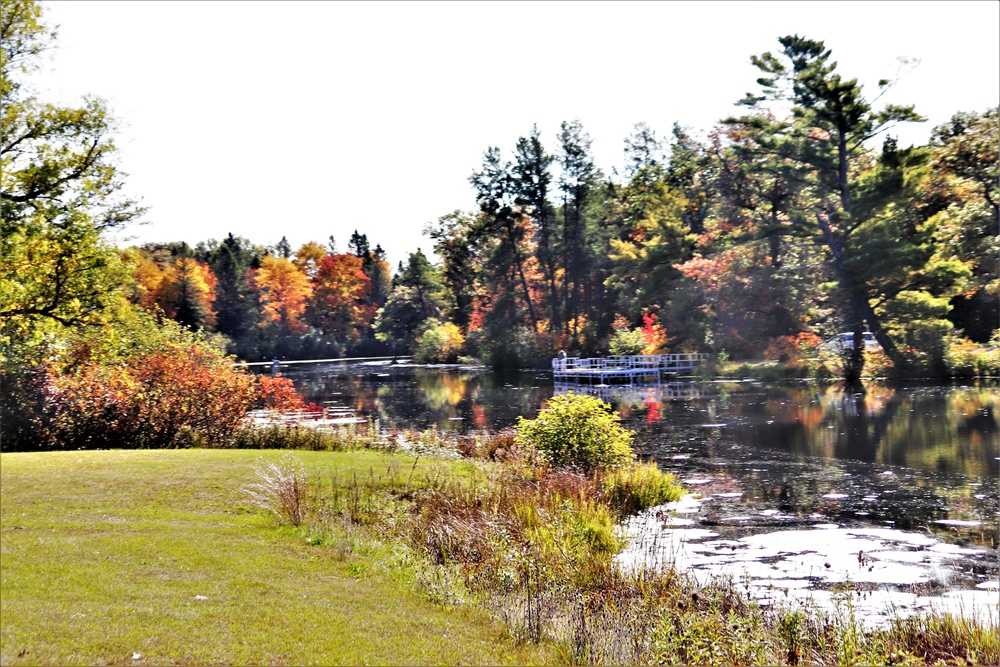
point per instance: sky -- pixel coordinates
(313, 119)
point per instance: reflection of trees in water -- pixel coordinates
(951, 430)
(802, 488)
(419, 398)
(442, 391)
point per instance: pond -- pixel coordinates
(885, 499)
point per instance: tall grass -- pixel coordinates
(296, 436)
(638, 487)
(282, 489)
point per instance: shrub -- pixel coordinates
(440, 343)
(277, 393)
(966, 359)
(24, 399)
(638, 487)
(134, 383)
(627, 342)
(178, 396)
(579, 431)
(793, 349)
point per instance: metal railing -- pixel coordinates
(667, 363)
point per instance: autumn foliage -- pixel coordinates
(284, 294)
(341, 290)
(176, 396)
(277, 393)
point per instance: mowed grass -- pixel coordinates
(107, 555)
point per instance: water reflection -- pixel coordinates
(404, 396)
(950, 430)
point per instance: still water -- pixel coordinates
(801, 490)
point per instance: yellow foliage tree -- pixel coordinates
(284, 294)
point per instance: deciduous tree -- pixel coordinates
(284, 294)
(60, 191)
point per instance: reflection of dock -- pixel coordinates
(627, 369)
(635, 394)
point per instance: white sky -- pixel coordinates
(315, 118)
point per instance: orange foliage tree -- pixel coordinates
(183, 289)
(277, 393)
(188, 292)
(341, 307)
(284, 294)
(308, 257)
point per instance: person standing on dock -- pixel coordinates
(275, 366)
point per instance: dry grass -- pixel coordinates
(283, 489)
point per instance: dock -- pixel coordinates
(625, 369)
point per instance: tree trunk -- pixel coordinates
(861, 311)
(520, 272)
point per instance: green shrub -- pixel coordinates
(627, 342)
(440, 343)
(966, 359)
(638, 487)
(579, 431)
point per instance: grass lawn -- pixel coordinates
(152, 557)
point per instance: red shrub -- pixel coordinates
(277, 393)
(177, 396)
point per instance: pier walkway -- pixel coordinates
(628, 369)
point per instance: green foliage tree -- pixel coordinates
(415, 299)
(643, 265)
(626, 342)
(532, 183)
(423, 278)
(60, 192)
(460, 268)
(962, 195)
(578, 430)
(236, 303)
(578, 180)
(283, 249)
(439, 343)
(644, 159)
(501, 226)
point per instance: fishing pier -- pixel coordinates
(625, 369)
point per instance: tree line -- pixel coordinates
(267, 301)
(796, 218)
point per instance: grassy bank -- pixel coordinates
(372, 557)
(111, 554)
